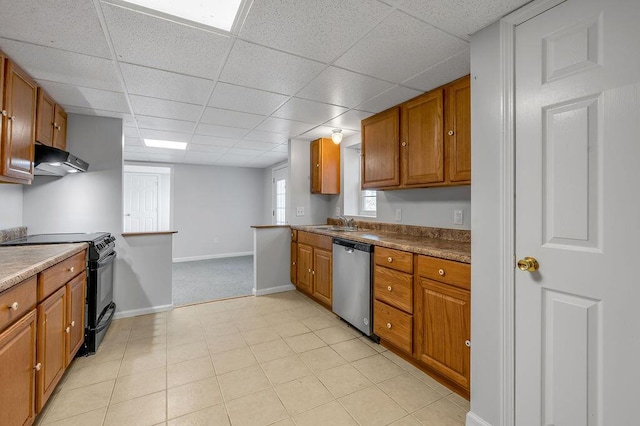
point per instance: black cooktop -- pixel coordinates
(57, 239)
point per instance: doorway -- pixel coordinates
(279, 195)
(146, 198)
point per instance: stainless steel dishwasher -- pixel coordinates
(352, 283)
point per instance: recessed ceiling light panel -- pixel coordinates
(155, 143)
(213, 13)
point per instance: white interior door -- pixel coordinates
(577, 213)
(279, 196)
(141, 202)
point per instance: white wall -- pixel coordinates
(486, 294)
(10, 205)
(215, 202)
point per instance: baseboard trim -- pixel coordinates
(272, 290)
(143, 311)
(211, 256)
(474, 420)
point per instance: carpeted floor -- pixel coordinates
(213, 279)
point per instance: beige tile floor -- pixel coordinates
(278, 359)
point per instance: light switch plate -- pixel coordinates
(398, 214)
(300, 211)
(458, 217)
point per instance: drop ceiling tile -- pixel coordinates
(388, 99)
(201, 158)
(308, 32)
(166, 85)
(232, 159)
(255, 145)
(48, 64)
(135, 156)
(281, 125)
(143, 39)
(448, 70)
(267, 69)
(220, 131)
(260, 162)
(341, 87)
(246, 153)
(226, 117)
(273, 138)
(156, 123)
(62, 24)
(461, 17)
(213, 140)
(133, 148)
(207, 148)
(84, 97)
(308, 111)
(325, 132)
(130, 132)
(239, 98)
(165, 108)
(165, 158)
(400, 47)
(281, 148)
(274, 154)
(132, 141)
(97, 112)
(164, 135)
(349, 120)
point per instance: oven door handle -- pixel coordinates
(107, 259)
(104, 323)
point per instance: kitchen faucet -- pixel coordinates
(348, 223)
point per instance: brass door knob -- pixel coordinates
(529, 264)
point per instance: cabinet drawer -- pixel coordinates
(394, 259)
(17, 301)
(294, 235)
(446, 271)
(393, 325)
(58, 275)
(315, 240)
(394, 288)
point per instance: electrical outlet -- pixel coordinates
(398, 214)
(299, 211)
(216, 240)
(458, 217)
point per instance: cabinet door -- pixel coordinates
(294, 263)
(442, 315)
(17, 361)
(60, 128)
(45, 118)
(75, 315)
(305, 265)
(458, 130)
(315, 166)
(19, 132)
(322, 275)
(422, 148)
(52, 352)
(381, 150)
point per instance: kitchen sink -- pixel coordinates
(335, 228)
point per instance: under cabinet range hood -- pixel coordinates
(49, 161)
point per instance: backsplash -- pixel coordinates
(12, 233)
(459, 235)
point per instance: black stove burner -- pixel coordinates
(101, 244)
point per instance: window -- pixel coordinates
(357, 202)
(281, 205)
(368, 202)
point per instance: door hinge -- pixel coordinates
(273, 212)
(273, 180)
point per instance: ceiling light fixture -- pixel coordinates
(155, 143)
(336, 136)
(218, 14)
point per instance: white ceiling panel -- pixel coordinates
(220, 131)
(247, 153)
(164, 135)
(341, 87)
(233, 159)
(274, 138)
(213, 140)
(166, 158)
(260, 162)
(164, 44)
(62, 24)
(267, 69)
(320, 29)
(239, 98)
(207, 148)
(255, 145)
(136, 156)
(132, 141)
(461, 17)
(454, 67)
(164, 108)
(225, 117)
(349, 120)
(84, 97)
(325, 132)
(166, 85)
(201, 158)
(281, 125)
(284, 147)
(96, 112)
(45, 63)
(145, 122)
(130, 132)
(133, 148)
(388, 99)
(308, 111)
(399, 48)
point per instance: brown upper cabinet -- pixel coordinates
(423, 142)
(51, 125)
(18, 124)
(325, 167)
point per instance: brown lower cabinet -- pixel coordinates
(314, 274)
(40, 340)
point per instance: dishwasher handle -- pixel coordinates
(353, 245)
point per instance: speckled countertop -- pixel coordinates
(442, 243)
(18, 263)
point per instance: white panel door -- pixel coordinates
(141, 202)
(279, 196)
(578, 214)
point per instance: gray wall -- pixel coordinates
(215, 202)
(486, 294)
(10, 205)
